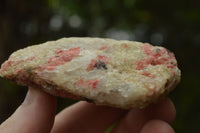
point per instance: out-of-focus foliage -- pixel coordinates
(174, 24)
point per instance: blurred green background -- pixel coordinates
(174, 24)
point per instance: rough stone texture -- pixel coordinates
(122, 74)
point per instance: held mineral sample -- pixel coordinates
(122, 74)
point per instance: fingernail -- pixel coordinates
(31, 94)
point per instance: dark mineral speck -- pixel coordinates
(100, 64)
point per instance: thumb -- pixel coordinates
(35, 115)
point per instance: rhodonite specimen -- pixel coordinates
(122, 74)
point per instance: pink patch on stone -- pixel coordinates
(125, 46)
(91, 84)
(91, 65)
(103, 58)
(12, 63)
(149, 74)
(153, 57)
(61, 57)
(103, 47)
(22, 76)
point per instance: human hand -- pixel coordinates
(37, 115)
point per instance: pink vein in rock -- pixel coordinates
(60, 58)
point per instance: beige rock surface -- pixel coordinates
(122, 74)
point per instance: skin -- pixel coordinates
(37, 114)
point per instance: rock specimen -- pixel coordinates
(122, 74)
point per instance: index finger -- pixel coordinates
(36, 114)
